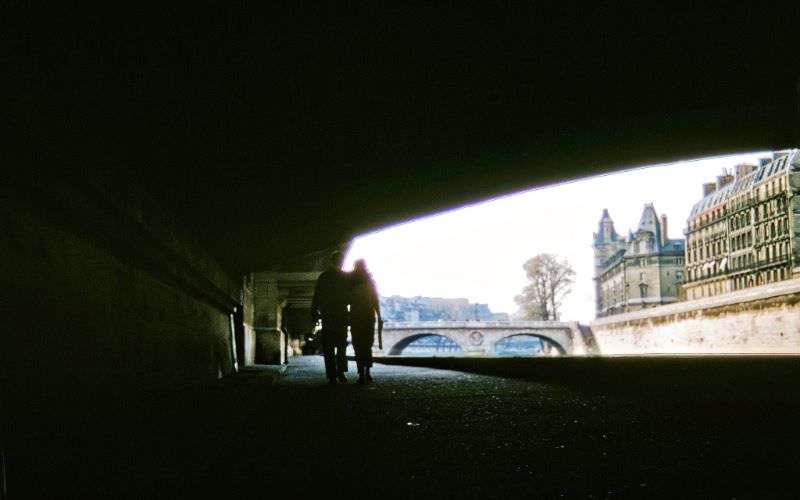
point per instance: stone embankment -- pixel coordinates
(759, 320)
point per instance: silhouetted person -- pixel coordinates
(329, 305)
(364, 308)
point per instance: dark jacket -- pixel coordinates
(331, 297)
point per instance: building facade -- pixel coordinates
(645, 269)
(744, 232)
(396, 308)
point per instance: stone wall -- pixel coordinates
(249, 347)
(101, 290)
(764, 319)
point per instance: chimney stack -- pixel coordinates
(743, 169)
(708, 188)
(664, 237)
(724, 179)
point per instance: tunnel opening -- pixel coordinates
(641, 250)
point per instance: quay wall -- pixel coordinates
(759, 320)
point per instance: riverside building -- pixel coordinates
(744, 231)
(646, 269)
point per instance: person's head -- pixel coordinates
(360, 271)
(337, 258)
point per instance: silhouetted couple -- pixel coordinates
(335, 291)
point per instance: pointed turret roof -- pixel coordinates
(605, 222)
(649, 222)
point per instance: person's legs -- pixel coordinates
(334, 343)
(362, 351)
(341, 353)
(330, 359)
(359, 362)
(341, 361)
(368, 355)
(366, 352)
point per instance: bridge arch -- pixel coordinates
(436, 341)
(506, 344)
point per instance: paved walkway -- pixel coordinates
(412, 433)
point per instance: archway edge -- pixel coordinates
(561, 350)
(397, 348)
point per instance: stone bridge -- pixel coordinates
(481, 338)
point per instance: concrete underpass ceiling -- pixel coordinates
(287, 131)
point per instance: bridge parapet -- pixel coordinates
(481, 338)
(405, 325)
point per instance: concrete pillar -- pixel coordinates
(267, 304)
(268, 296)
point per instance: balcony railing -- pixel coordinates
(757, 265)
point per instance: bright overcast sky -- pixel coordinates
(477, 252)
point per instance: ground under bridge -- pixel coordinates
(488, 338)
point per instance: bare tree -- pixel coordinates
(549, 281)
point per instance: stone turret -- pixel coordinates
(605, 229)
(643, 270)
(606, 243)
(606, 239)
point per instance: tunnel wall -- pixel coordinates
(249, 322)
(101, 290)
(763, 319)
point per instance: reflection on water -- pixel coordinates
(431, 344)
(524, 345)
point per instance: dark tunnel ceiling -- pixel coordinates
(287, 130)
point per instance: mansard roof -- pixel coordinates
(781, 162)
(673, 247)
